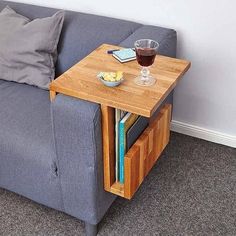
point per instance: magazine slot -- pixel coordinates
(144, 153)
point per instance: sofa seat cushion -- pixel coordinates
(27, 154)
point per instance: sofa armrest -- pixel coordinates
(78, 141)
(167, 38)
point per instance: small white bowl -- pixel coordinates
(110, 83)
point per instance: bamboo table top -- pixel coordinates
(80, 81)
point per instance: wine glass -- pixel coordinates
(146, 50)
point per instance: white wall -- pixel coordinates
(206, 97)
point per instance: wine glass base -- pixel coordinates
(149, 81)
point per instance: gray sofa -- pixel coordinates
(52, 152)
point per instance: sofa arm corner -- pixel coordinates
(167, 38)
(78, 142)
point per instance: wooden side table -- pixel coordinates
(80, 81)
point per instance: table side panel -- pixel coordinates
(144, 153)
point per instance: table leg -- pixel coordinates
(108, 136)
(52, 95)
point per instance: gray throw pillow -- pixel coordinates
(28, 49)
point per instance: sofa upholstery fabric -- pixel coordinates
(28, 162)
(166, 38)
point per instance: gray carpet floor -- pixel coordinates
(190, 191)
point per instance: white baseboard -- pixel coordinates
(202, 133)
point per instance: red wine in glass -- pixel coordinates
(145, 56)
(146, 50)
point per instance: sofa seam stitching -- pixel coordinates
(58, 164)
(95, 152)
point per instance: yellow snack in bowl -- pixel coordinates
(111, 76)
(119, 75)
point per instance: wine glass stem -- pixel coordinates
(145, 73)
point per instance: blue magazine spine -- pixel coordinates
(121, 151)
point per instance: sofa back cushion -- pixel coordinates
(81, 33)
(28, 49)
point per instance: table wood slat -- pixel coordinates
(80, 81)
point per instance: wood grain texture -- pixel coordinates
(132, 165)
(80, 81)
(141, 157)
(108, 146)
(147, 149)
(118, 189)
(52, 95)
